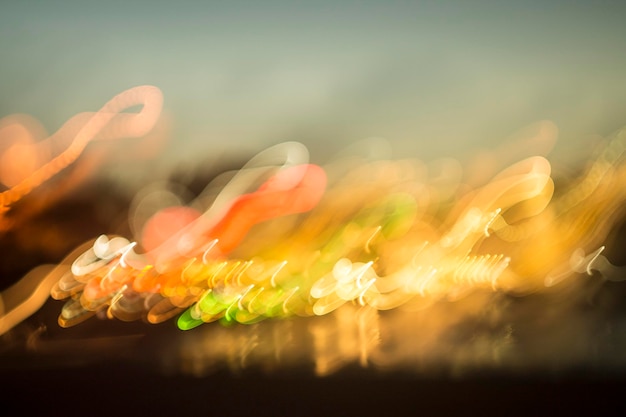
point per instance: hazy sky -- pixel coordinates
(433, 77)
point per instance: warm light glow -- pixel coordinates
(25, 167)
(283, 237)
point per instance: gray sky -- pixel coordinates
(434, 78)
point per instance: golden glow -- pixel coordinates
(283, 237)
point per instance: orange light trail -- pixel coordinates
(284, 237)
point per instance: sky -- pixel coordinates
(434, 78)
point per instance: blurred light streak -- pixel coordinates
(283, 237)
(448, 262)
(27, 295)
(26, 165)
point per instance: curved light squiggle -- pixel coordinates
(380, 236)
(107, 123)
(284, 237)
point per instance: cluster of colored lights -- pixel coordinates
(284, 237)
(374, 234)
